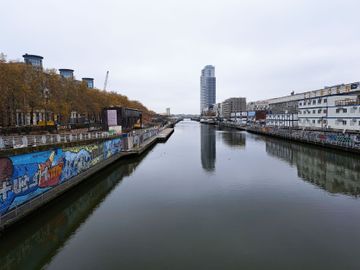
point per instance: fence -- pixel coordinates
(14, 142)
(138, 137)
(338, 139)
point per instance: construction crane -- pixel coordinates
(106, 80)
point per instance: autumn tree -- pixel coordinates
(22, 90)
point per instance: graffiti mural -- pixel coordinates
(6, 169)
(24, 177)
(345, 140)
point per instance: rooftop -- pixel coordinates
(32, 56)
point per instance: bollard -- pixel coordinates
(25, 141)
(2, 144)
(43, 139)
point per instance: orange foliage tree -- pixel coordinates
(22, 89)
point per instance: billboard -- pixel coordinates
(251, 114)
(112, 118)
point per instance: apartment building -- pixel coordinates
(282, 119)
(336, 107)
(340, 111)
(207, 88)
(233, 105)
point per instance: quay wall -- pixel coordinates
(332, 139)
(348, 141)
(24, 177)
(29, 180)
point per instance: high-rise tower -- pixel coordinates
(207, 88)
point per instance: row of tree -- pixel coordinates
(23, 88)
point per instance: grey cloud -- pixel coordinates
(155, 50)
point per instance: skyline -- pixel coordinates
(154, 51)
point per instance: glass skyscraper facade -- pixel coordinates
(207, 88)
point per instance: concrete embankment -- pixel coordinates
(30, 180)
(348, 141)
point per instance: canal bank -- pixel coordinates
(345, 141)
(31, 180)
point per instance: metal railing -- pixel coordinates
(138, 137)
(15, 142)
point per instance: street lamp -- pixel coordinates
(46, 93)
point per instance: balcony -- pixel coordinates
(348, 102)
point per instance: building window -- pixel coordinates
(319, 101)
(313, 111)
(319, 110)
(337, 110)
(314, 101)
(300, 103)
(325, 110)
(313, 121)
(344, 122)
(325, 100)
(344, 110)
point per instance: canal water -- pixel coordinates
(206, 199)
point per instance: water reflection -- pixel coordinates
(333, 171)
(234, 138)
(208, 147)
(32, 246)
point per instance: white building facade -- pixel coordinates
(340, 112)
(336, 107)
(282, 120)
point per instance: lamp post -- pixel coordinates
(46, 93)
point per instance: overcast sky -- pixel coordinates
(156, 49)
